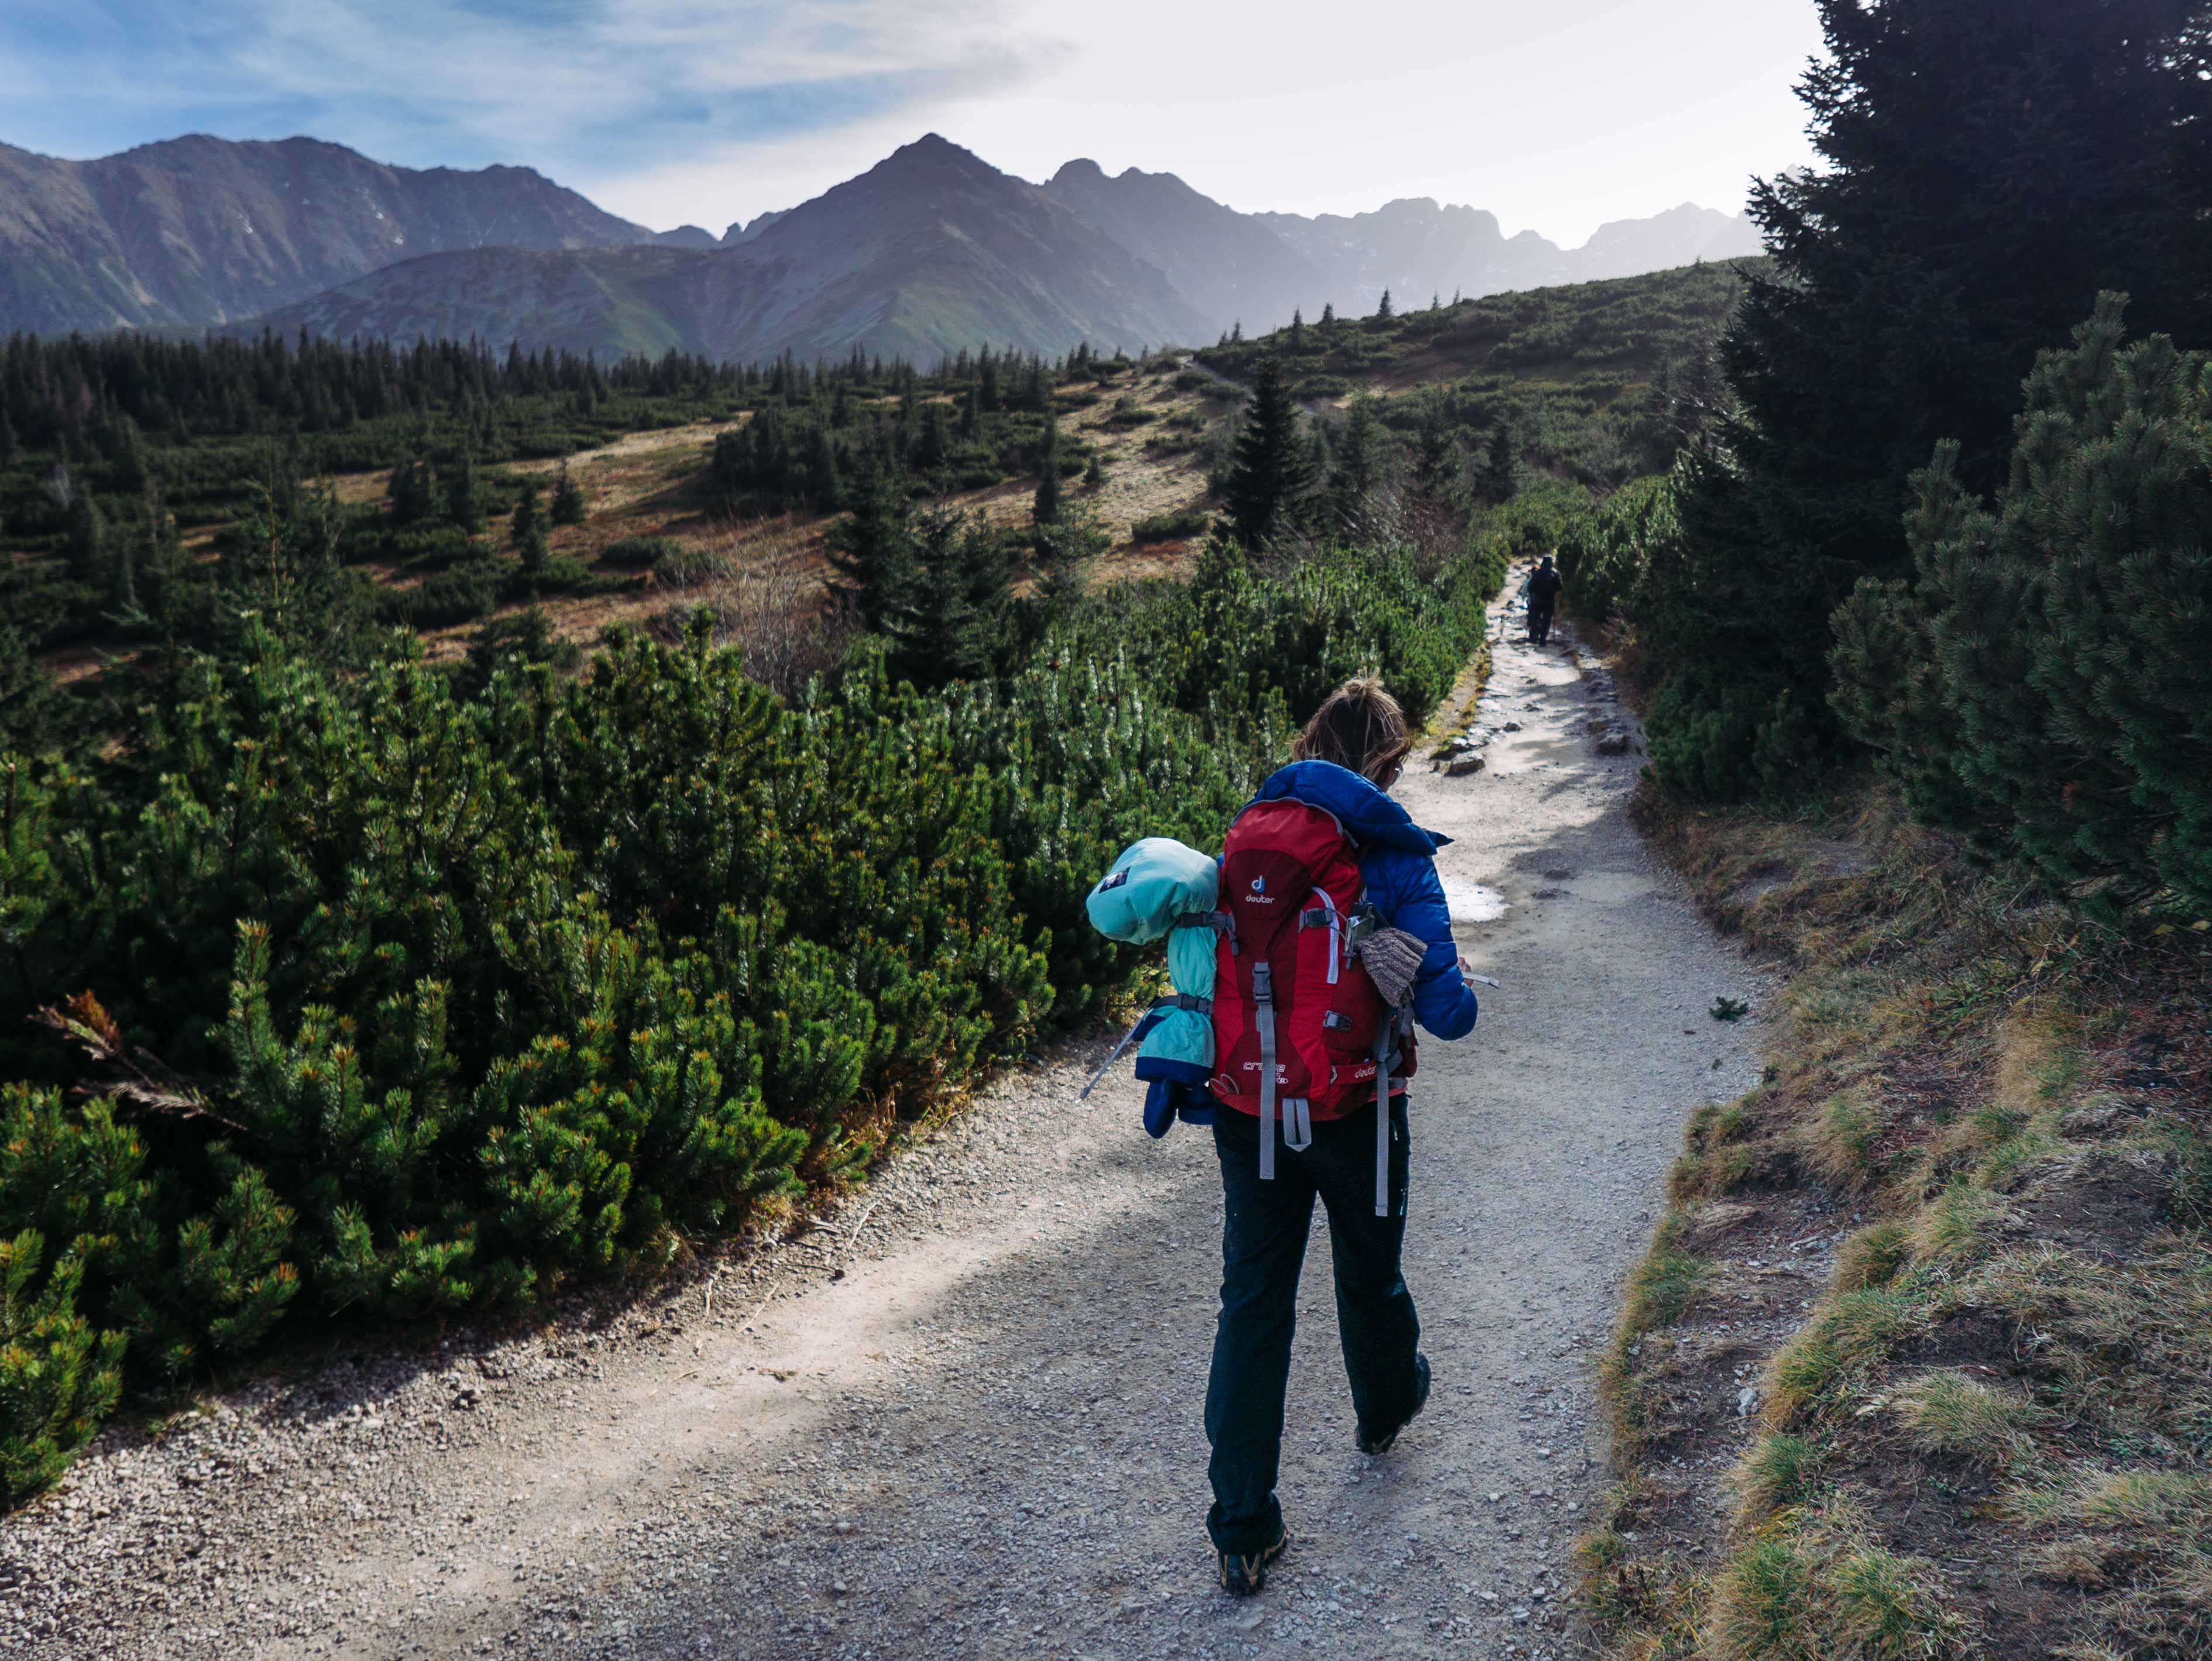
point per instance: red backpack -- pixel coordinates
(1298, 1026)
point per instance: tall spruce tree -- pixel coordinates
(1362, 458)
(1992, 166)
(569, 507)
(528, 530)
(86, 542)
(1500, 476)
(1046, 508)
(823, 486)
(951, 617)
(1271, 475)
(464, 505)
(1383, 311)
(872, 546)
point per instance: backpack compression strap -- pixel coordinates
(1263, 1023)
(1393, 1023)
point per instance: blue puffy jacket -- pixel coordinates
(1399, 860)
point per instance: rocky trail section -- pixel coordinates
(962, 1418)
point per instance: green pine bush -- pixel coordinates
(59, 1377)
(2044, 687)
(415, 992)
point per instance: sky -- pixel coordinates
(1556, 115)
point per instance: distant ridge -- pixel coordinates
(200, 230)
(931, 251)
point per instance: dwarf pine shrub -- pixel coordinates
(391, 993)
(2043, 686)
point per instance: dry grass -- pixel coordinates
(655, 484)
(1993, 1433)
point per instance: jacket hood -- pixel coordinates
(1371, 818)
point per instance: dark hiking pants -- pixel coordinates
(1263, 1247)
(1540, 624)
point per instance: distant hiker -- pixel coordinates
(1334, 938)
(1544, 586)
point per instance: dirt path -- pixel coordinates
(966, 1423)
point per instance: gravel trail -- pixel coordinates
(962, 1419)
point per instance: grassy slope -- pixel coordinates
(655, 484)
(1568, 366)
(1915, 1366)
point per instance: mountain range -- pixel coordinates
(930, 251)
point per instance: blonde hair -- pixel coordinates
(1359, 726)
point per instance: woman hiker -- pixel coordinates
(1330, 1145)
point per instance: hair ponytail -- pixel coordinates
(1361, 727)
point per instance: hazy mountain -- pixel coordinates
(929, 252)
(741, 231)
(200, 230)
(1413, 248)
(1681, 236)
(1230, 265)
(1254, 268)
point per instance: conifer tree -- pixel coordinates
(405, 499)
(1500, 477)
(1438, 461)
(122, 577)
(1916, 275)
(1269, 477)
(1236, 332)
(872, 546)
(32, 709)
(1066, 549)
(569, 507)
(2041, 690)
(1382, 313)
(1361, 459)
(163, 560)
(526, 532)
(1046, 508)
(58, 1377)
(1297, 329)
(1327, 313)
(464, 507)
(822, 483)
(951, 618)
(10, 447)
(88, 540)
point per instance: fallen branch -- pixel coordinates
(127, 1074)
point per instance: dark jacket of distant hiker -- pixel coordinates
(1544, 591)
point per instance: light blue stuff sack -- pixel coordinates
(1156, 886)
(1153, 884)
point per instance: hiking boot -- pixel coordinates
(1243, 1576)
(1382, 1443)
